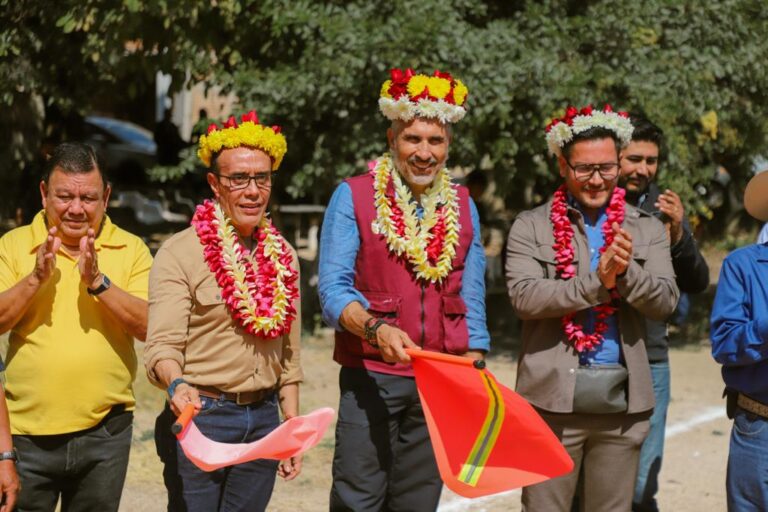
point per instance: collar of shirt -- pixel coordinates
(109, 236)
(762, 252)
(601, 216)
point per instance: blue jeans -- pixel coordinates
(243, 487)
(747, 482)
(647, 483)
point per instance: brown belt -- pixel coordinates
(753, 406)
(243, 398)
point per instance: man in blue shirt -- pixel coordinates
(401, 266)
(739, 332)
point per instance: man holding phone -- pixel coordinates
(639, 163)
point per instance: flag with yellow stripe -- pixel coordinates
(486, 438)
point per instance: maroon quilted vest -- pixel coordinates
(433, 315)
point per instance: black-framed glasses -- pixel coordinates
(609, 171)
(241, 180)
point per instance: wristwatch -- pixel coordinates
(10, 455)
(105, 284)
(174, 383)
(369, 330)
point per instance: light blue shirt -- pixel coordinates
(609, 351)
(763, 236)
(339, 243)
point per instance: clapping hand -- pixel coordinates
(88, 264)
(672, 207)
(615, 260)
(46, 256)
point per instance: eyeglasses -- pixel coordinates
(584, 172)
(240, 181)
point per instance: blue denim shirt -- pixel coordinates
(339, 243)
(609, 351)
(739, 322)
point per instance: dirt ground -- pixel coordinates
(692, 477)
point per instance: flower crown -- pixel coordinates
(561, 130)
(407, 95)
(248, 133)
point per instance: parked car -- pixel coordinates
(127, 149)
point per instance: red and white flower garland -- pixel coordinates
(429, 244)
(260, 289)
(564, 254)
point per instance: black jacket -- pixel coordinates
(691, 271)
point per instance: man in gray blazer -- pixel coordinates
(584, 270)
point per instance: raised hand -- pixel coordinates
(671, 206)
(46, 256)
(88, 263)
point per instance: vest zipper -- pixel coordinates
(422, 315)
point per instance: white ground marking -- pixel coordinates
(458, 504)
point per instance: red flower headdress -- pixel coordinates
(407, 95)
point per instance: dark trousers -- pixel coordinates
(86, 468)
(383, 458)
(243, 487)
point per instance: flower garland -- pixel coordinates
(259, 290)
(429, 244)
(564, 254)
(248, 133)
(407, 95)
(561, 130)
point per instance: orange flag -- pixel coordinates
(487, 438)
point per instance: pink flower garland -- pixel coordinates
(564, 254)
(261, 282)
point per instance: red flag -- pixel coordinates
(487, 438)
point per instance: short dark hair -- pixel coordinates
(594, 133)
(74, 158)
(645, 130)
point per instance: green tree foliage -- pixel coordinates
(315, 67)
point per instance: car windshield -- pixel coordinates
(125, 131)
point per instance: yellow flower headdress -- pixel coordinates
(407, 95)
(248, 133)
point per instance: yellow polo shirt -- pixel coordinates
(69, 361)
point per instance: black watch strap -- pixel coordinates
(371, 326)
(105, 284)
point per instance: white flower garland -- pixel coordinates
(562, 133)
(418, 234)
(404, 109)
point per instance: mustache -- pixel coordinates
(416, 160)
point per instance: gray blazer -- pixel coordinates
(547, 363)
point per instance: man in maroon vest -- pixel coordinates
(401, 266)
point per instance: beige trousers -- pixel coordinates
(606, 447)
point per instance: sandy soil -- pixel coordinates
(692, 477)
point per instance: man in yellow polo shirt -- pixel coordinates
(74, 298)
